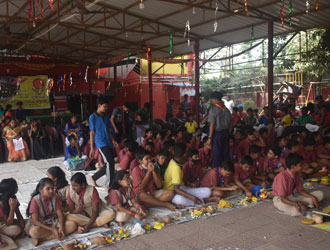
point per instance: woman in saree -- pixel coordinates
(12, 133)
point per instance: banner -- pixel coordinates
(31, 91)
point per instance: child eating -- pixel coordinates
(290, 197)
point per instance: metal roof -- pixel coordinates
(88, 30)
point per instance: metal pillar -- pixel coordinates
(270, 66)
(115, 73)
(150, 86)
(197, 80)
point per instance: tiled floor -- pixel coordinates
(258, 227)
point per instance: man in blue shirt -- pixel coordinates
(100, 134)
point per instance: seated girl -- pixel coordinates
(9, 207)
(17, 147)
(62, 186)
(86, 207)
(123, 198)
(46, 218)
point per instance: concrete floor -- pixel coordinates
(258, 227)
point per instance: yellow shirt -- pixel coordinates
(173, 176)
(286, 120)
(191, 127)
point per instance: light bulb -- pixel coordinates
(126, 34)
(141, 5)
(34, 24)
(194, 10)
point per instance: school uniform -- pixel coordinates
(244, 146)
(46, 209)
(289, 185)
(161, 169)
(205, 157)
(192, 172)
(213, 178)
(125, 162)
(123, 197)
(11, 231)
(309, 156)
(258, 165)
(270, 165)
(122, 153)
(63, 193)
(138, 174)
(174, 176)
(242, 175)
(87, 198)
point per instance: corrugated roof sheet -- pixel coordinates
(66, 33)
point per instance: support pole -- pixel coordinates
(197, 79)
(150, 86)
(270, 66)
(115, 73)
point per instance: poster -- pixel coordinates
(31, 91)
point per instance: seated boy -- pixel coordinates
(173, 180)
(73, 151)
(205, 154)
(310, 165)
(244, 172)
(161, 163)
(192, 169)
(148, 138)
(290, 197)
(123, 151)
(273, 164)
(217, 179)
(252, 138)
(125, 162)
(323, 153)
(146, 181)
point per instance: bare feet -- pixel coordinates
(212, 199)
(93, 182)
(36, 242)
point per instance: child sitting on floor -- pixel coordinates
(273, 164)
(46, 218)
(86, 207)
(205, 154)
(73, 160)
(148, 138)
(244, 172)
(217, 179)
(323, 153)
(252, 138)
(146, 181)
(173, 180)
(122, 197)
(310, 165)
(10, 227)
(259, 178)
(191, 125)
(290, 197)
(125, 162)
(161, 163)
(192, 169)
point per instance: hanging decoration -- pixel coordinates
(141, 5)
(282, 15)
(307, 6)
(51, 4)
(194, 10)
(70, 77)
(290, 12)
(246, 8)
(50, 83)
(148, 53)
(64, 77)
(215, 24)
(98, 73)
(128, 57)
(41, 9)
(186, 32)
(316, 4)
(252, 35)
(171, 42)
(86, 73)
(30, 10)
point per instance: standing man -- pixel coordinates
(220, 126)
(100, 134)
(169, 110)
(185, 105)
(20, 113)
(122, 121)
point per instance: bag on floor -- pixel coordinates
(76, 163)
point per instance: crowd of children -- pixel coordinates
(170, 168)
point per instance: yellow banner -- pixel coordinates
(32, 92)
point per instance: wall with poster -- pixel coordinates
(31, 91)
